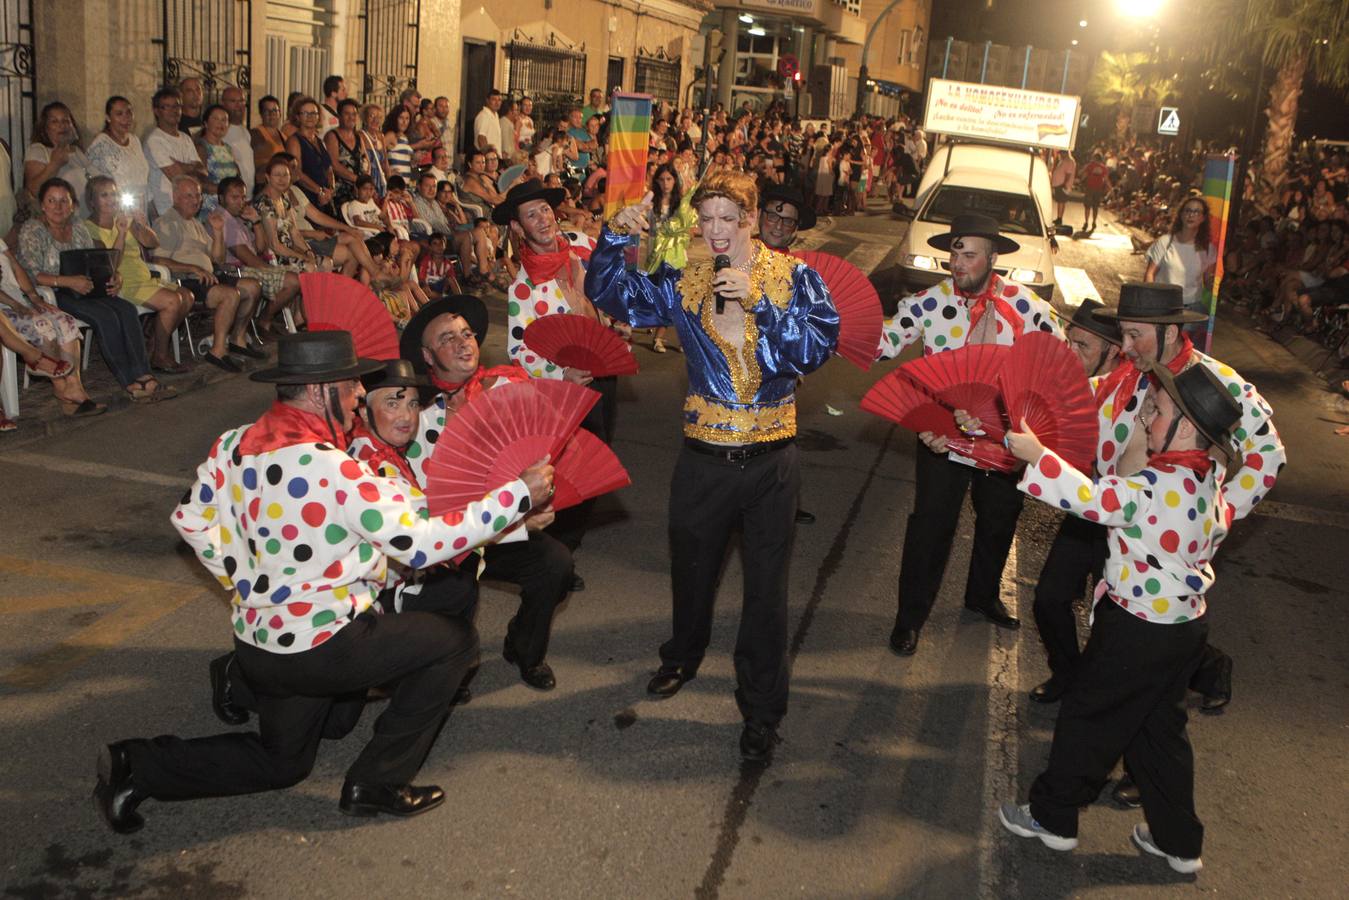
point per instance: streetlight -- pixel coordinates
(1082, 23)
(1139, 9)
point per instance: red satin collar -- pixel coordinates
(379, 451)
(1122, 383)
(994, 296)
(285, 426)
(474, 385)
(543, 267)
(1197, 461)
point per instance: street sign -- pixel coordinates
(788, 66)
(1168, 120)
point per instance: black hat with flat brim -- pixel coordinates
(974, 225)
(396, 373)
(470, 308)
(780, 193)
(1084, 317)
(315, 357)
(1205, 401)
(524, 192)
(1152, 303)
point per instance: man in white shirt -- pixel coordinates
(487, 124)
(334, 92)
(171, 152)
(239, 140)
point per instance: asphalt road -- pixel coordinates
(890, 769)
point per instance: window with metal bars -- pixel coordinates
(553, 76)
(211, 40)
(658, 77)
(391, 30)
(17, 93)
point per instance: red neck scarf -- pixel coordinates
(1123, 382)
(380, 451)
(1198, 461)
(543, 267)
(994, 297)
(474, 385)
(285, 426)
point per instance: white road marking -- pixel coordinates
(1109, 240)
(92, 469)
(867, 256)
(1075, 285)
(1000, 741)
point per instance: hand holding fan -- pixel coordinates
(1043, 384)
(858, 305)
(580, 342)
(337, 303)
(585, 468)
(965, 378)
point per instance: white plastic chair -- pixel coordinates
(9, 383)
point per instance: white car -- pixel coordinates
(1008, 184)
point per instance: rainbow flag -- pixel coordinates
(1218, 174)
(625, 160)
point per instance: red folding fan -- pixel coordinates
(899, 399)
(580, 342)
(985, 453)
(337, 303)
(965, 378)
(498, 435)
(1044, 384)
(858, 305)
(586, 468)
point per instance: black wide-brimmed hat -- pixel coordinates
(780, 193)
(1153, 304)
(1107, 329)
(974, 225)
(473, 311)
(524, 192)
(1205, 401)
(396, 373)
(315, 357)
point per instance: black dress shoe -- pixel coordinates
(805, 518)
(1222, 693)
(997, 614)
(904, 641)
(540, 676)
(223, 362)
(115, 794)
(222, 697)
(1126, 793)
(578, 583)
(1051, 691)
(248, 352)
(462, 696)
(373, 799)
(756, 743)
(666, 682)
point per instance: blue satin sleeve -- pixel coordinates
(799, 339)
(629, 295)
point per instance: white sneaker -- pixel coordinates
(1019, 821)
(658, 345)
(1143, 838)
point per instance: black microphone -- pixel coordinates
(721, 262)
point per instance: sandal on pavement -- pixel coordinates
(79, 409)
(49, 367)
(8, 424)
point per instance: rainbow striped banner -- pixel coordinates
(625, 159)
(1219, 172)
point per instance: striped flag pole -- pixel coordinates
(1218, 174)
(625, 160)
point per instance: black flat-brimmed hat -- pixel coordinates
(396, 373)
(473, 311)
(1107, 329)
(524, 192)
(780, 193)
(1205, 401)
(315, 357)
(974, 225)
(1152, 304)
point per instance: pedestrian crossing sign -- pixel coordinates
(1168, 120)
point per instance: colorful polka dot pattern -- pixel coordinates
(1263, 451)
(941, 318)
(1165, 526)
(527, 301)
(303, 535)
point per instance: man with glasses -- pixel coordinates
(171, 152)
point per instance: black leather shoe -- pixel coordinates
(666, 682)
(756, 743)
(462, 696)
(997, 614)
(1222, 695)
(805, 518)
(1051, 691)
(1126, 793)
(904, 641)
(540, 676)
(578, 583)
(373, 799)
(116, 795)
(248, 352)
(222, 697)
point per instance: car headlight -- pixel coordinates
(1025, 276)
(919, 261)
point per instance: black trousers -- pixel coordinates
(542, 567)
(303, 697)
(940, 487)
(709, 499)
(1128, 698)
(116, 328)
(571, 524)
(1079, 550)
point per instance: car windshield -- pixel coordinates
(1015, 213)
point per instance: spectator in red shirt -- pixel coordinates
(1095, 184)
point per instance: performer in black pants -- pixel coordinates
(749, 330)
